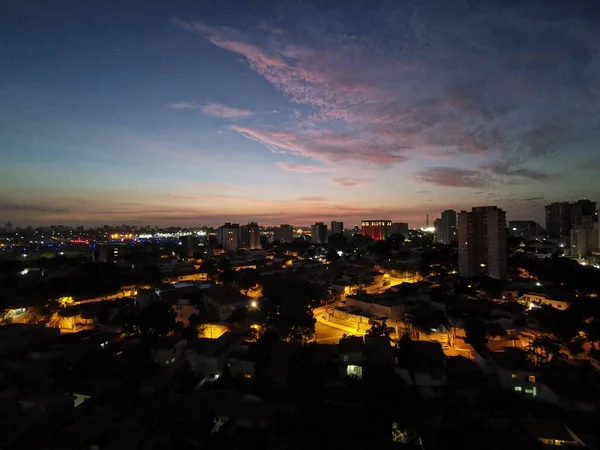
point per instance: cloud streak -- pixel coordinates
(453, 177)
(225, 112)
(350, 182)
(303, 168)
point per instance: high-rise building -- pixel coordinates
(190, 243)
(337, 228)
(229, 236)
(584, 214)
(558, 219)
(109, 254)
(378, 230)
(526, 229)
(445, 227)
(319, 233)
(584, 241)
(561, 217)
(284, 233)
(400, 228)
(250, 236)
(482, 243)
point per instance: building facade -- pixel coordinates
(445, 227)
(526, 229)
(378, 230)
(584, 242)
(482, 243)
(250, 235)
(337, 228)
(228, 236)
(558, 219)
(284, 233)
(400, 228)
(319, 233)
(584, 214)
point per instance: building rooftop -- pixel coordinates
(512, 359)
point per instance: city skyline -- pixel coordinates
(191, 115)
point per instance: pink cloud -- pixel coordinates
(226, 112)
(300, 168)
(184, 105)
(350, 182)
(328, 146)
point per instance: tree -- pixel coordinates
(288, 302)
(209, 267)
(158, 319)
(332, 255)
(379, 329)
(545, 349)
(151, 274)
(494, 330)
(476, 333)
(248, 279)
(223, 265)
(239, 314)
(575, 346)
(228, 277)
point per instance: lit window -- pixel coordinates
(354, 371)
(531, 378)
(514, 376)
(518, 388)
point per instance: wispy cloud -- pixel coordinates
(350, 182)
(184, 105)
(328, 146)
(453, 177)
(226, 112)
(300, 168)
(397, 85)
(312, 199)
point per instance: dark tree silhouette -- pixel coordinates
(287, 303)
(158, 319)
(476, 333)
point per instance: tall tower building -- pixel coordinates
(337, 228)
(319, 233)
(284, 233)
(400, 228)
(378, 230)
(482, 243)
(558, 219)
(445, 227)
(584, 214)
(250, 236)
(228, 236)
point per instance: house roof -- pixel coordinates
(546, 429)
(351, 344)
(512, 359)
(430, 359)
(226, 296)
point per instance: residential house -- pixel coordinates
(209, 356)
(351, 356)
(168, 350)
(540, 298)
(225, 300)
(376, 306)
(551, 434)
(513, 370)
(425, 368)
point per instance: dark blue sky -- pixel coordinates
(200, 112)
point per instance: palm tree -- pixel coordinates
(379, 329)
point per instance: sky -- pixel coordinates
(195, 113)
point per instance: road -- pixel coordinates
(325, 334)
